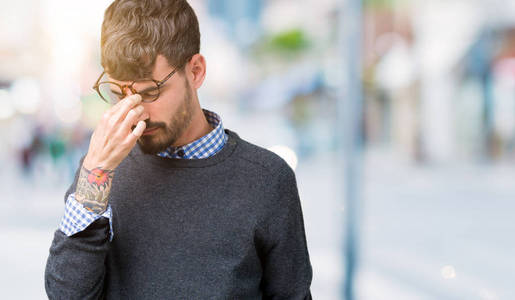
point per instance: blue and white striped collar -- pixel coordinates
(203, 147)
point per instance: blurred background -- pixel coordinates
(404, 153)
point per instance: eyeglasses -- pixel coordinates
(112, 92)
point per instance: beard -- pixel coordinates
(167, 135)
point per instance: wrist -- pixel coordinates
(93, 188)
(91, 163)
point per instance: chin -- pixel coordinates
(148, 146)
(154, 144)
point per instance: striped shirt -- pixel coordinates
(76, 218)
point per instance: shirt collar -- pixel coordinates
(203, 147)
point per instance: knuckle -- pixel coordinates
(131, 114)
(126, 143)
(111, 123)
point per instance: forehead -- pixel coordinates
(160, 70)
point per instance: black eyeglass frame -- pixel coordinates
(158, 83)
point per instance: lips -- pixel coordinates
(150, 130)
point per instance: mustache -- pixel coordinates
(151, 124)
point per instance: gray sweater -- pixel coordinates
(226, 227)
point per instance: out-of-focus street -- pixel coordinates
(422, 91)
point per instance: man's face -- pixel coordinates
(171, 114)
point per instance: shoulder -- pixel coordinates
(261, 158)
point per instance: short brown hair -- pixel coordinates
(134, 32)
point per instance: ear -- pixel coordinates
(197, 70)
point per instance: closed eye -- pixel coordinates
(117, 94)
(150, 91)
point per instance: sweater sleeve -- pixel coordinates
(287, 270)
(75, 267)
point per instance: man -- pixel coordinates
(167, 204)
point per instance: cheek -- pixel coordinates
(162, 110)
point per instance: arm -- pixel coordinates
(76, 264)
(89, 202)
(75, 267)
(287, 270)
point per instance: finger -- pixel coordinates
(121, 108)
(123, 145)
(114, 108)
(137, 132)
(133, 116)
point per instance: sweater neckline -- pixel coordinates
(167, 162)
